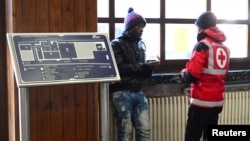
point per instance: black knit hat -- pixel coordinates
(206, 20)
(132, 19)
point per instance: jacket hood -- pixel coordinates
(215, 33)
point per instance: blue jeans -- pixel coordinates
(131, 110)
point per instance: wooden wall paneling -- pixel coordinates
(56, 119)
(57, 113)
(80, 20)
(91, 16)
(22, 19)
(42, 94)
(25, 23)
(41, 15)
(15, 17)
(86, 14)
(12, 107)
(56, 97)
(3, 86)
(93, 89)
(43, 114)
(13, 23)
(69, 114)
(28, 16)
(13, 120)
(68, 15)
(93, 112)
(81, 112)
(33, 117)
(55, 16)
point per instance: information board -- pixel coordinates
(62, 58)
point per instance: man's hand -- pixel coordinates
(154, 64)
(182, 72)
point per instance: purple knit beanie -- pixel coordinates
(132, 19)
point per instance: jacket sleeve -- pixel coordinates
(189, 77)
(126, 67)
(195, 65)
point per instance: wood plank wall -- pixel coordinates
(57, 113)
(3, 84)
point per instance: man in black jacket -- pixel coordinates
(129, 103)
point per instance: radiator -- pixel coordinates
(168, 115)
(236, 108)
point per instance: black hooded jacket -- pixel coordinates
(130, 59)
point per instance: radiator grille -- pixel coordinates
(236, 108)
(168, 115)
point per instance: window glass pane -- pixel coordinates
(180, 40)
(151, 37)
(119, 28)
(103, 8)
(237, 38)
(147, 8)
(152, 44)
(103, 28)
(230, 9)
(188, 9)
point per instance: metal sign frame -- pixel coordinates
(38, 58)
(61, 58)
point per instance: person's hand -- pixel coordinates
(182, 72)
(154, 64)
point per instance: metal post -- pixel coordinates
(104, 113)
(24, 125)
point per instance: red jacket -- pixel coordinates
(210, 66)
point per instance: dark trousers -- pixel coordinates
(198, 121)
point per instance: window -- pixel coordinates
(171, 24)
